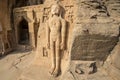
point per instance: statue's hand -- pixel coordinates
(48, 45)
(62, 46)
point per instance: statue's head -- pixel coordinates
(55, 9)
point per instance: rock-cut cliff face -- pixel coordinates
(6, 19)
(95, 32)
(95, 35)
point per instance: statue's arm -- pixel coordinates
(47, 35)
(63, 32)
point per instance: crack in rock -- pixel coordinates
(18, 61)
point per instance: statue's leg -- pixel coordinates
(57, 69)
(52, 52)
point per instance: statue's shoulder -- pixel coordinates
(63, 20)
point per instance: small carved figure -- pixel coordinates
(55, 32)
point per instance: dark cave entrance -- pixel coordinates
(23, 33)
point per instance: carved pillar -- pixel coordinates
(31, 34)
(31, 28)
(16, 24)
(16, 35)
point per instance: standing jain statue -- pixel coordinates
(56, 33)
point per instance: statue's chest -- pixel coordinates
(55, 22)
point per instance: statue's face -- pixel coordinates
(55, 9)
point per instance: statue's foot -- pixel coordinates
(52, 70)
(56, 72)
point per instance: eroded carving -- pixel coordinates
(69, 12)
(86, 67)
(45, 52)
(46, 12)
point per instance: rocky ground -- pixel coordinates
(19, 66)
(12, 65)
